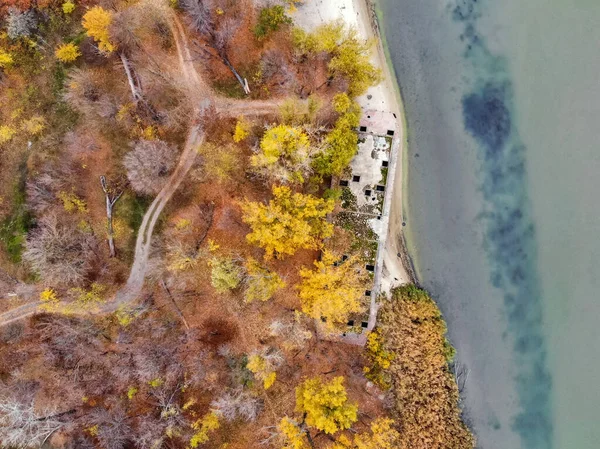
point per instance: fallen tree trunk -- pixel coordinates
(110, 203)
(133, 86)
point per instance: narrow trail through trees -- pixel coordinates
(204, 100)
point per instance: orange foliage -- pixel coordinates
(425, 390)
(22, 5)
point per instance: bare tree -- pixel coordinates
(60, 253)
(128, 30)
(20, 24)
(236, 404)
(149, 165)
(41, 191)
(217, 33)
(177, 309)
(111, 199)
(69, 342)
(293, 332)
(114, 431)
(148, 434)
(276, 68)
(21, 425)
(80, 141)
(200, 15)
(87, 95)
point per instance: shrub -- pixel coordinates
(261, 283)
(34, 126)
(381, 435)
(269, 20)
(379, 361)
(242, 130)
(284, 156)
(68, 7)
(226, 274)
(220, 164)
(264, 365)
(72, 203)
(6, 59)
(7, 133)
(204, 426)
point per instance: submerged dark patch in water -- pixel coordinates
(487, 117)
(510, 235)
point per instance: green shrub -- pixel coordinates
(226, 274)
(379, 361)
(14, 228)
(341, 144)
(269, 20)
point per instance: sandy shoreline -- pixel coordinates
(384, 97)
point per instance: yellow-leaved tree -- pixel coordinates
(6, 59)
(380, 360)
(350, 55)
(67, 52)
(261, 283)
(381, 436)
(325, 405)
(226, 273)
(242, 130)
(332, 291)
(264, 364)
(284, 156)
(289, 222)
(7, 132)
(341, 144)
(96, 22)
(292, 434)
(203, 428)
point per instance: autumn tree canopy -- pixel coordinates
(284, 155)
(332, 291)
(325, 405)
(289, 222)
(96, 22)
(341, 144)
(350, 55)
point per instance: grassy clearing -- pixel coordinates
(14, 228)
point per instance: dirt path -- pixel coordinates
(201, 96)
(198, 91)
(133, 287)
(18, 313)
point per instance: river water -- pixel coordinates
(502, 204)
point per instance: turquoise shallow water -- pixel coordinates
(502, 101)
